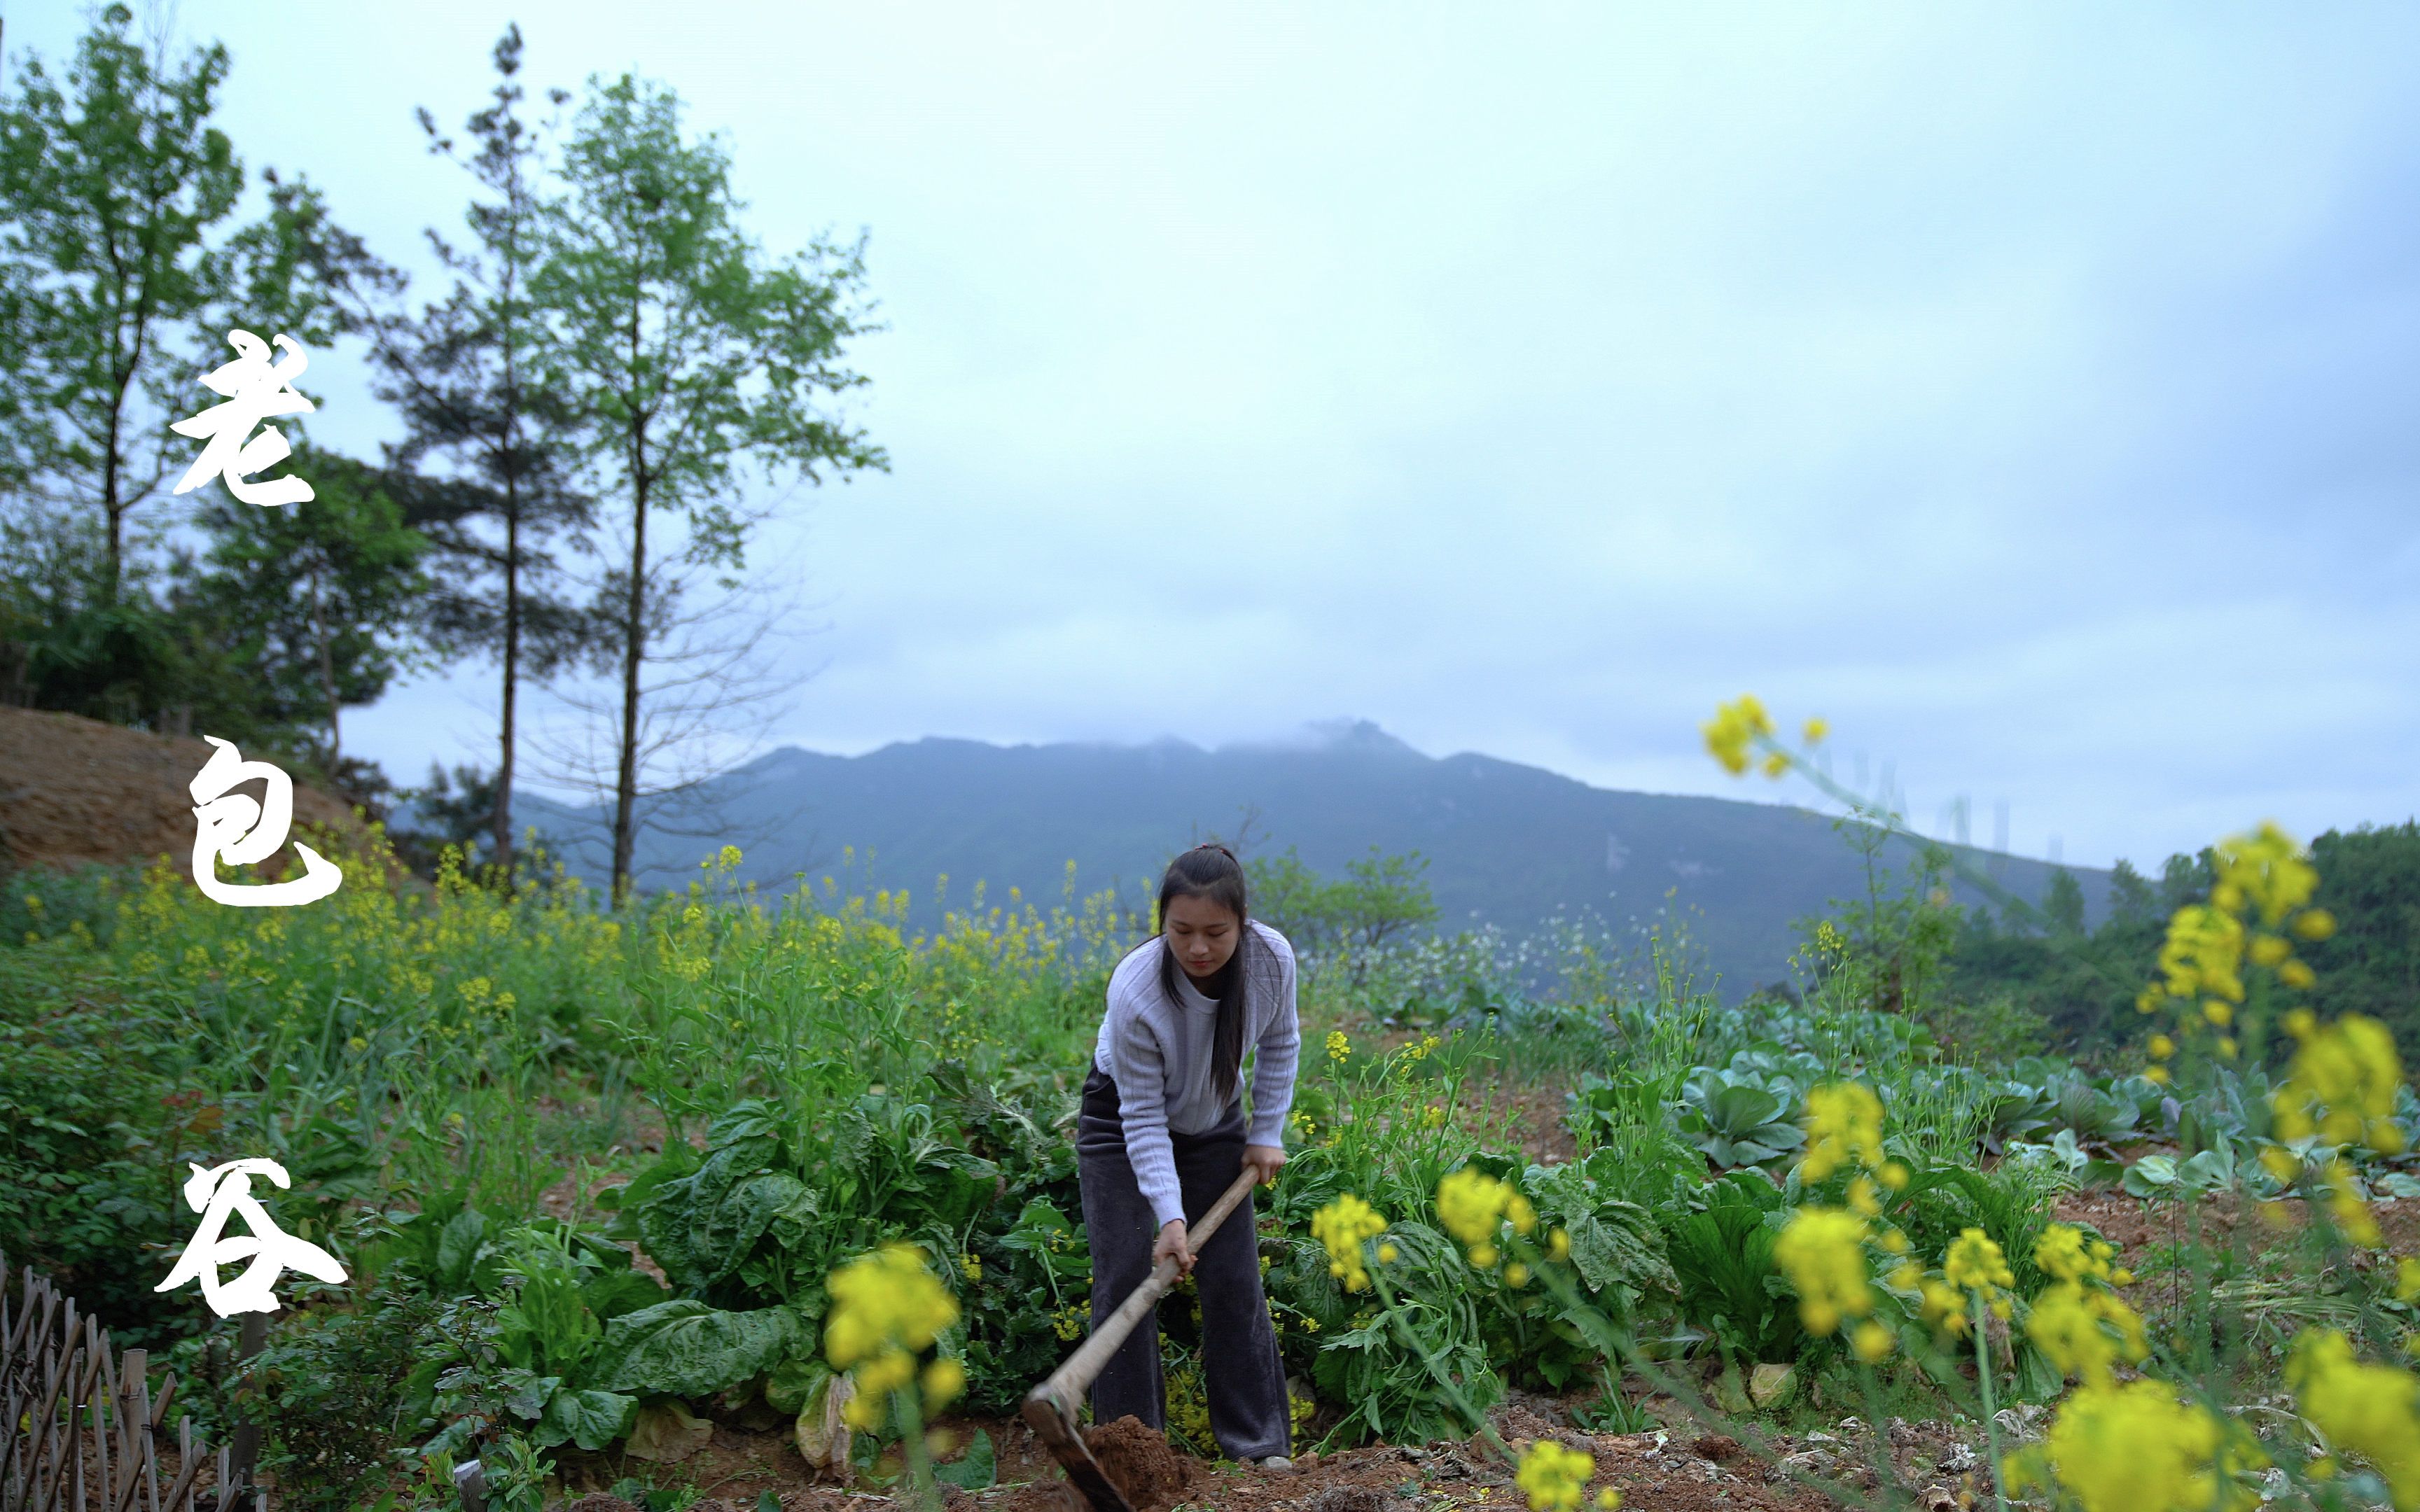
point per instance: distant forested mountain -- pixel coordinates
(1507, 844)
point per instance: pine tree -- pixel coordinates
(462, 375)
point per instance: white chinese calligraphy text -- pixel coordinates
(255, 391)
(226, 1189)
(231, 827)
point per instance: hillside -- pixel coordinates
(75, 790)
(1508, 844)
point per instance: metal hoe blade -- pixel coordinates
(1054, 1423)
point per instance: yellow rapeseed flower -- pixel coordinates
(2371, 1410)
(1816, 731)
(1734, 726)
(2134, 1449)
(2345, 1204)
(2203, 953)
(1844, 1126)
(944, 1379)
(1976, 1265)
(2065, 1255)
(2067, 1322)
(887, 1308)
(1944, 1307)
(2341, 1084)
(1872, 1342)
(2268, 870)
(1470, 1203)
(1338, 1045)
(889, 1296)
(875, 1379)
(1553, 1475)
(1341, 1226)
(1822, 1252)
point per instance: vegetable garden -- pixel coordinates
(611, 1182)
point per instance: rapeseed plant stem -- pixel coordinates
(1991, 1423)
(916, 1453)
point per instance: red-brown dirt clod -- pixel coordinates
(1141, 1461)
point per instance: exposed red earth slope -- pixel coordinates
(75, 790)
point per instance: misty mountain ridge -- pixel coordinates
(1507, 844)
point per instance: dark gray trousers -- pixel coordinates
(1243, 1377)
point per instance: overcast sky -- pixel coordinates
(2033, 390)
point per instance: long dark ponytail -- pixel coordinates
(1212, 871)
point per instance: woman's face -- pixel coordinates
(1202, 933)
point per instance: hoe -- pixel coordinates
(1050, 1408)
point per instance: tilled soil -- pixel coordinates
(2136, 1226)
(1667, 1471)
(1137, 1459)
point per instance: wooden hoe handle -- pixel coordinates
(1050, 1408)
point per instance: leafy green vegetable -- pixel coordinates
(1722, 1255)
(975, 1469)
(1737, 1122)
(684, 1347)
(794, 1382)
(591, 1419)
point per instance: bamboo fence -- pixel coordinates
(82, 1427)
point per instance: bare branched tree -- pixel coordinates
(718, 679)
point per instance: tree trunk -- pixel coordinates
(110, 506)
(625, 785)
(503, 815)
(512, 470)
(327, 673)
(124, 373)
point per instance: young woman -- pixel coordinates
(1162, 1135)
